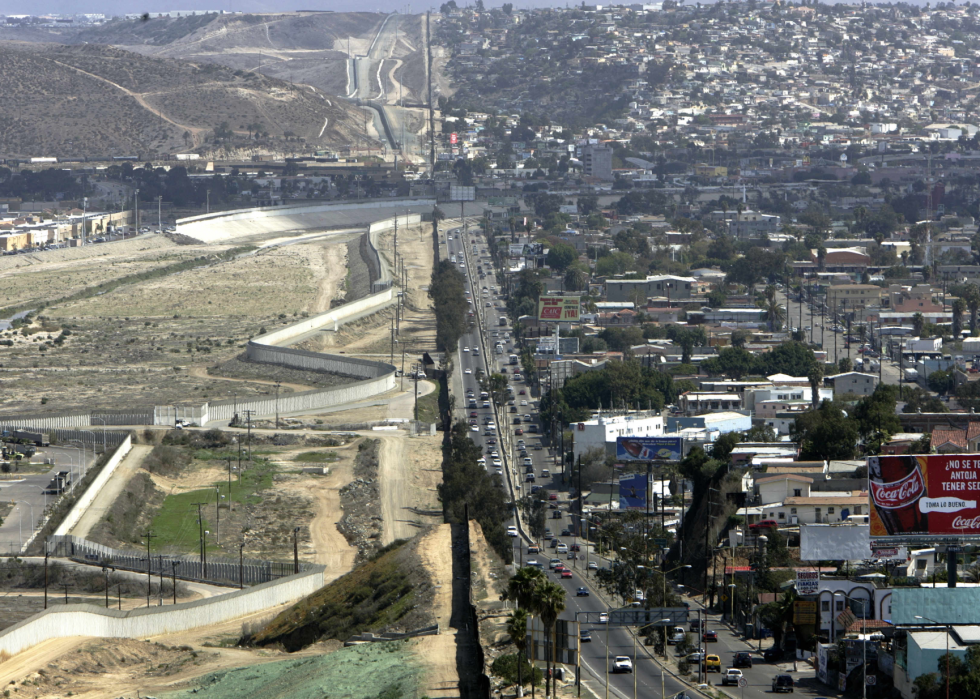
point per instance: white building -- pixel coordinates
(602, 431)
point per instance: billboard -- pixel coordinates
(633, 491)
(931, 495)
(649, 448)
(460, 193)
(832, 542)
(555, 308)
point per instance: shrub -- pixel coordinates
(505, 667)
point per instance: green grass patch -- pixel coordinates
(316, 457)
(429, 406)
(176, 522)
(371, 671)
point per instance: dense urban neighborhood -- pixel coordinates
(589, 350)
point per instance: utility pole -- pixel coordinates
(248, 418)
(278, 384)
(46, 554)
(136, 202)
(149, 564)
(200, 535)
(217, 515)
(173, 566)
(159, 214)
(296, 550)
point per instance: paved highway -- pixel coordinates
(476, 352)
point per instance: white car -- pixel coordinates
(524, 403)
(467, 371)
(497, 463)
(499, 472)
(593, 565)
(622, 663)
(512, 531)
(466, 349)
(474, 428)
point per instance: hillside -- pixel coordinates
(92, 100)
(391, 592)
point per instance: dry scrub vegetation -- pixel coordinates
(153, 342)
(99, 101)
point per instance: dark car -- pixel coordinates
(566, 532)
(742, 659)
(773, 655)
(782, 683)
(710, 636)
(582, 592)
(585, 636)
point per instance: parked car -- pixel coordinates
(782, 683)
(695, 657)
(773, 655)
(731, 677)
(622, 663)
(764, 524)
(742, 659)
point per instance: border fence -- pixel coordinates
(217, 570)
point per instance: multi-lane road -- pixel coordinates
(477, 353)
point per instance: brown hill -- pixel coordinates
(98, 101)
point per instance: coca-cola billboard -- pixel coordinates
(922, 495)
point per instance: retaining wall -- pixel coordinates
(46, 423)
(89, 620)
(83, 503)
(332, 318)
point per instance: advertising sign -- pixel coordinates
(555, 308)
(649, 448)
(924, 495)
(807, 582)
(460, 193)
(633, 491)
(453, 139)
(804, 612)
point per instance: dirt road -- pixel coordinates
(110, 491)
(395, 491)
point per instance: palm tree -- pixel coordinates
(549, 602)
(815, 377)
(774, 312)
(918, 324)
(517, 629)
(959, 307)
(738, 219)
(521, 588)
(972, 298)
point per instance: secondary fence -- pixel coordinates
(218, 570)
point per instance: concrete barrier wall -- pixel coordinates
(45, 423)
(89, 620)
(388, 224)
(307, 400)
(339, 315)
(89, 495)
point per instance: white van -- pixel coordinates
(858, 519)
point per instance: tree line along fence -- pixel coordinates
(216, 570)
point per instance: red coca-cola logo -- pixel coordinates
(964, 523)
(892, 496)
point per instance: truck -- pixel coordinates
(499, 349)
(503, 321)
(38, 439)
(512, 359)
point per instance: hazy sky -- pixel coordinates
(120, 7)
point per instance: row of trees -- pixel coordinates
(466, 483)
(535, 596)
(448, 293)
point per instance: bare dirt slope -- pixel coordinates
(100, 101)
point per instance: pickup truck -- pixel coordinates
(731, 677)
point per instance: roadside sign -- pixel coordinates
(742, 682)
(662, 543)
(665, 616)
(871, 680)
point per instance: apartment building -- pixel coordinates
(853, 297)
